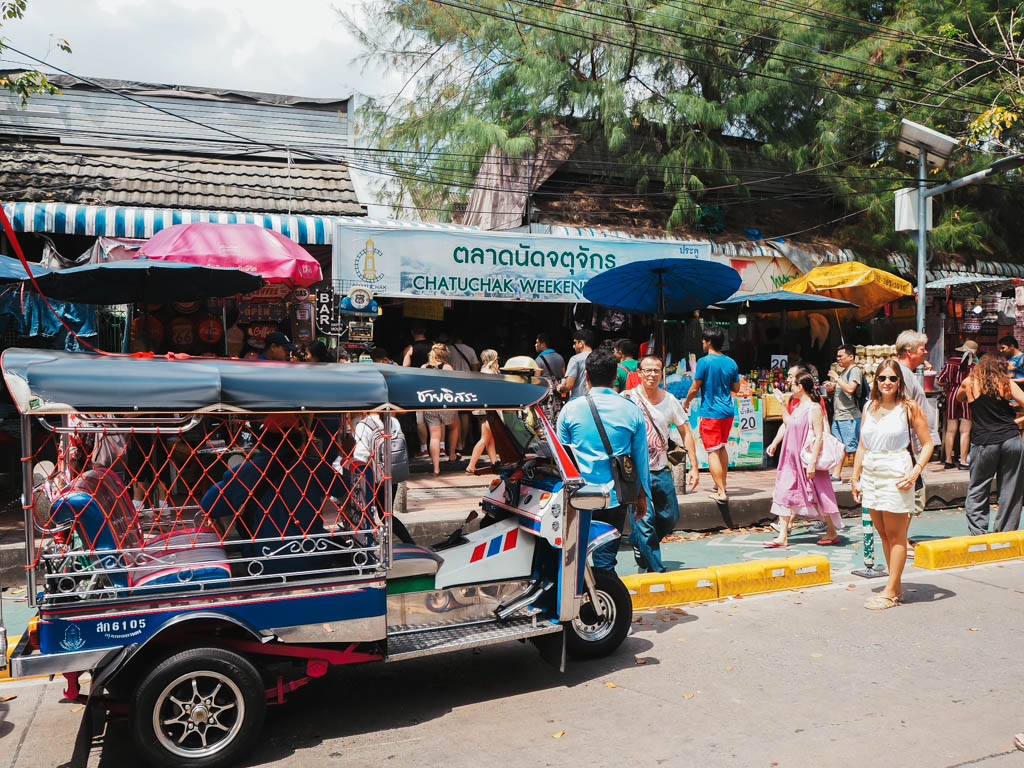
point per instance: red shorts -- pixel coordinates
(714, 433)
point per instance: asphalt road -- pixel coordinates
(791, 679)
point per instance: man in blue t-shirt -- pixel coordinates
(716, 378)
(1014, 358)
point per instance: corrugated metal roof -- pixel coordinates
(39, 173)
(98, 118)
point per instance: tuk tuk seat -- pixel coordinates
(413, 560)
(98, 506)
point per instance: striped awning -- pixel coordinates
(143, 223)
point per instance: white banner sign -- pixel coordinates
(486, 265)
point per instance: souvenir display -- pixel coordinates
(154, 330)
(236, 341)
(186, 307)
(211, 329)
(258, 333)
(182, 334)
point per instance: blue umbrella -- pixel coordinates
(663, 286)
(783, 301)
(11, 270)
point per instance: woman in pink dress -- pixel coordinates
(799, 489)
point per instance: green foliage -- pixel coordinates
(659, 83)
(26, 84)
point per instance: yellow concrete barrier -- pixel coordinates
(741, 578)
(654, 590)
(959, 551)
(797, 571)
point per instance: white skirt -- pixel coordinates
(879, 474)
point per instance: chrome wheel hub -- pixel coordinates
(604, 622)
(198, 714)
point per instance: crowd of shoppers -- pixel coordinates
(886, 429)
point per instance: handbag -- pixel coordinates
(625, 477)
(832, 451)
(920, 496)
(674, 453)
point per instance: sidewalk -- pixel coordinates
(434, 506)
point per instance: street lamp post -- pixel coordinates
(934, 148)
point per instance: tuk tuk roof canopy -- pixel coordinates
(49, 382)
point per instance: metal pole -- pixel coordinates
(922, 236)
(869, 571)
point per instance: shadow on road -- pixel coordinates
(363, 699)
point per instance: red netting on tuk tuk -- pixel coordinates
(140, 505)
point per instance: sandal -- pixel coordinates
(775, 545)
(470, 471)
(881, 603)
(824, 542)
(1018, 741)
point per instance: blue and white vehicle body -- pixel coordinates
(243, 510)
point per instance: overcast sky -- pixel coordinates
(295, 47)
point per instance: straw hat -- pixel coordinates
(520, 364)
(968, 346)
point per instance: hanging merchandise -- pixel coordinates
(211, 329)
(258, 333)
(154, 330)
(186, 307)
(182, 334)
(301, 316)
(236, 341)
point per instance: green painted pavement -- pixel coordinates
(732, 547)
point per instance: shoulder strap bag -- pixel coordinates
(919, 493)
(674, 453)
(462, 354)
(624, 472)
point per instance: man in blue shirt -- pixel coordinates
(1014, 358)
(627, 433)
(716, 378)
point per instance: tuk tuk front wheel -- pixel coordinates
(202, 707)
(599, 630)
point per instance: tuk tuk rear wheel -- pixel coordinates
(591, 636)
(203, 707)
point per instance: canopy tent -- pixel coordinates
(55, 382)
(867, 287)
(783, 301)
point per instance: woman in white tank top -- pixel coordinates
(884, 473)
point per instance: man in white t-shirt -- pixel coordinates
(661, 412)
(463, 358)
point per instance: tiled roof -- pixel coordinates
(41, 173)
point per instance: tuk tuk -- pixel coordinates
(206, 536)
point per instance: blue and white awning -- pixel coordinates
(143, 223)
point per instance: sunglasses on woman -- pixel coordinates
(892, 379)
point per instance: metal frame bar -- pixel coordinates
(28, 506)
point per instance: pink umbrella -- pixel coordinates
(247, 247)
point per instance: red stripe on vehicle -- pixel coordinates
(478, 553)
(510, 540)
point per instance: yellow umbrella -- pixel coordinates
(865, 286)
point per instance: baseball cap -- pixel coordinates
(281, 340)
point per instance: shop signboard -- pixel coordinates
(329, 321)
(746, 438)
(435, 263)
(424, 309)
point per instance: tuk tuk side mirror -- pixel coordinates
(591, 497)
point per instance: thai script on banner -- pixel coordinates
(406, 261)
